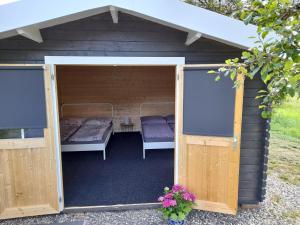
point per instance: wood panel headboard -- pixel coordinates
(157, 108)
(87, 110)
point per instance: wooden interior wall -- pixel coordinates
(126, 87)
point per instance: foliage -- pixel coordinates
(176, 203)
(226, 7)
(276, 55)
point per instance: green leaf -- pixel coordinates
(226, 73)
(260, 96)
(264, 34)
(288, 65)
(174, 216)
(217, 78)
(255, 71)
(246, 54)
(294, 80)
(222, 69)
(296, 57)
(228, 61)
(181, 216)
(266, 114)
(248, 18)
(235, 60)
(211, 72)
(233, 75)
(262, 91)
(262, 106)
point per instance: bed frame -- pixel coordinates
(88, 147)
(94, 146)
(156, 145)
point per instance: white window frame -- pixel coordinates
(106, 61)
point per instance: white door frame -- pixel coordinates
(109, 61)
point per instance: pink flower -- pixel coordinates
(166, 203)
(188, 196)
(173, 202)
(169, 195)
(193, 197)
(169, 202)
(177, 188)
(161, 198)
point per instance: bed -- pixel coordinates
(87, 131)
(157, 130)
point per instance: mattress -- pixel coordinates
(157, 133)
(89, 134)
(67, 130)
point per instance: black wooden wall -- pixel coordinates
(132, 36)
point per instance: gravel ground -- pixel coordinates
(282, 206)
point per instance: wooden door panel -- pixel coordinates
(209, 176)
(28, 179)
(209, 165)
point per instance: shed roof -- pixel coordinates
(26, 17)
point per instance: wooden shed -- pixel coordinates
(88, 94)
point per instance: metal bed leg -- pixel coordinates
(144, 152)
(104, 155)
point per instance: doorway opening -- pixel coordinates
(117, 133)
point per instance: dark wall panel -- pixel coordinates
(132, 36)
(22, 98)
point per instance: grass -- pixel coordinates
(284, 157)
(286, 119)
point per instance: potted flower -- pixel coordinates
(176, 204)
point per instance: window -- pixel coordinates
(10, 134)
(21, 133)
(23, 103)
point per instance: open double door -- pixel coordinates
(208, 115)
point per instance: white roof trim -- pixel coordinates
(103, 60)
(114, 14)
(31, 33)
(178, 15)
(192, 37)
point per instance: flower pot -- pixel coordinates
(176, 222)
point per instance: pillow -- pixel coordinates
(170, 119)
(70, 121)
(153, 120)
(172, 126)
(99, 121)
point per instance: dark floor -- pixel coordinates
(123, 178)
